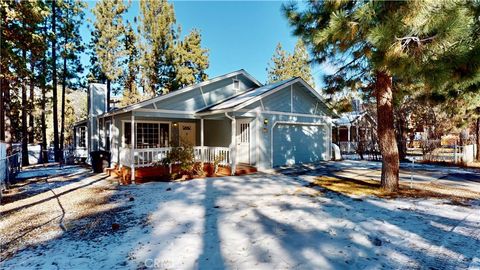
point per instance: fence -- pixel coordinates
(9, 166)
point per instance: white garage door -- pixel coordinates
(295, 143)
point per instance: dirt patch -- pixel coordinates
(347, 186)
(77, 206)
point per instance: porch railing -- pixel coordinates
(147, 157)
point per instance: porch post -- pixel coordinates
(132, 148)
(233, 147)
(202, 133)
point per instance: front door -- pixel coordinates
(186, 132)
(243, 140)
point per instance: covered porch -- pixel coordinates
(156, 133)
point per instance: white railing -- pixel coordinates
(147, 157)
(150, 156)
(80, 152)
(209, 154)
(348, 147)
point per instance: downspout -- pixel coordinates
(233, 144)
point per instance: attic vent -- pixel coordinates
(236, 84)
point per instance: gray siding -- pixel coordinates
(207, 95)
(303, 102)
(279, 101)
(218, 132)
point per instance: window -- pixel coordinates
(148, 135)
(81, 137)
(236, 84)
(127, 133)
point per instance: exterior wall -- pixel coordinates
(97, 94)
(218, 132)
(205, 96)
(277, 108)
(264, 144)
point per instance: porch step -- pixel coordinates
(243, 169)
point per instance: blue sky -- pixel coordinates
(237, 34)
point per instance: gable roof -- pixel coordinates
(244, 97)
(350, 118)
(181, 91)
(252, 96)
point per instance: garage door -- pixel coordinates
(294, 144)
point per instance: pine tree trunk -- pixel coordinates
(8, 119)
(44, 122)
(2, 79)
(402, 135)
(2, 110)
(24, 111)
(64, 86)
(44, 153)
(478, 138)
(54, 85)
(108, 94)
(386, 132)
(31, 120)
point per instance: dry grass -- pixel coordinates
(355, 187)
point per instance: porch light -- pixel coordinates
(175, 124)
(265, 122)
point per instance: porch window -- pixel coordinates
(148, 135)
(81, 137)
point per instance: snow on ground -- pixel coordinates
(260, 221)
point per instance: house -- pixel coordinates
(352, 128)
(232, 117)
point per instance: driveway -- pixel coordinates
(260, 221)
(454, 177)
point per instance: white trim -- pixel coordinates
(233, 144)
(203, 97)
(288, 123)
(132, 148)
(184, 90)
(236, 80)
(202, 132)
(327, 118)
(315, 110)
(155, 105)
(164, 111)
(261, 104)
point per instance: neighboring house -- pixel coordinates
(354, 127)
(232, 117)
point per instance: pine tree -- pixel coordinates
(19, 48)
(129, 77)
(277, 69)
(95, 74)
(191, 61)
(56, 146)
(71, 47)
(108, 48)
(284, 66)
(158, 35)
(167, 62)
(375, 43)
